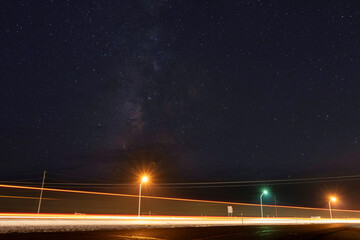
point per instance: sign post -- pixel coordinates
(230, 211)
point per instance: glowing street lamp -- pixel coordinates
(264, 192)
(332, 199)
(143, 180)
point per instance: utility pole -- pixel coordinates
(41, 193)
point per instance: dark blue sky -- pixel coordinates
(195, 90)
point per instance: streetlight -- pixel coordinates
(264, 192)
(143, 180)
(332, 199)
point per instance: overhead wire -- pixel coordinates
(225, 184)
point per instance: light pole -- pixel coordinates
(143, 180)
(264, 192)
(332, 199)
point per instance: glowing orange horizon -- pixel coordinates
(162, 198)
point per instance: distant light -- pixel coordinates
(333, 199)
(265, 192)
(144, 179)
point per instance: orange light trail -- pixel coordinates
(21, 197)
(163, 198)
(153, 217)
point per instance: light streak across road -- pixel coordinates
(28, 222)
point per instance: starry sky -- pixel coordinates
(188, 90)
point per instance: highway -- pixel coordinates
(111, 227)
(101, 215)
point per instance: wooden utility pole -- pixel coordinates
(41, 193)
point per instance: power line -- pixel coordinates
(266, 181)
(210, 184)
(195, 185)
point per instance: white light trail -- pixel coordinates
(29, 222)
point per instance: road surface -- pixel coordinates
(301, 232)
(95, 226)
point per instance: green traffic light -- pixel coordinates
(265, 192)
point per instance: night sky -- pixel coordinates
(98, 91)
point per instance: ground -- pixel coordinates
(296, 232)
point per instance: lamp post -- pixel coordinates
(264, 192)
(332, 199)
(143, 180)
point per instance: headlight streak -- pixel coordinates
(25, 220)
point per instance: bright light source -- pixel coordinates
(265, 192)
(333, 199)
(144, 179)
